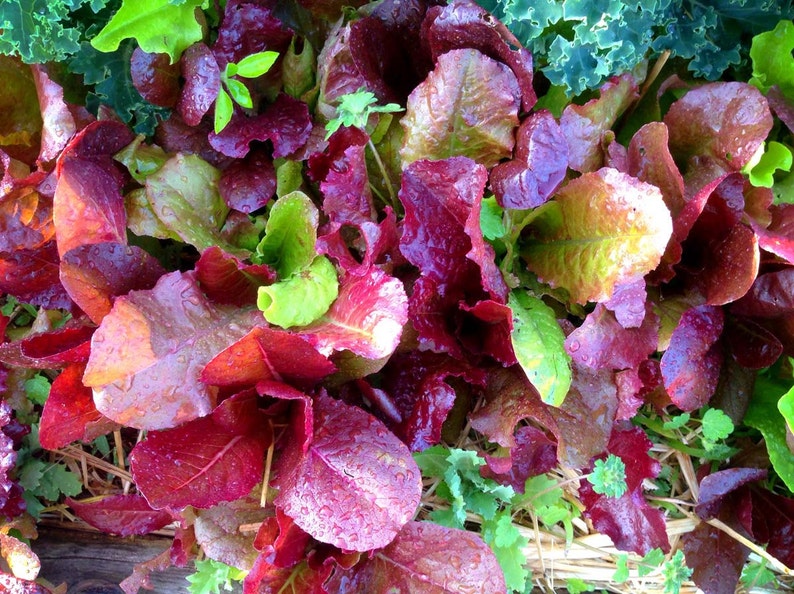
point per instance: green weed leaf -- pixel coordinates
(239, 93)
(37, 389)
(211, 575)
(716, 425)
(354, 110)
(223, 111)
(675, 573)
(609, 477)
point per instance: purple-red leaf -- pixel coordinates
(147, 354)
(585, 125)
(202, 82)
(216, 458)
(462, 24)
(533, 454)
(267, 354)
(426, 558)
(248, 184)
(716, 559)
(225, 279)
(727, 121)
(281, 542)
(691, 364)
(539, 166)
(716, 486)
(121, 515)
(155, 78)
(286, 123)
(649, 160)
(367, 317)
(95, 274)
(601, 342)
(69, 413)
(631, 523)
(50, 350)
(355, 487)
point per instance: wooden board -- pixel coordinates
(91, 563)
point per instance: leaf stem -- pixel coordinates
(386, 178)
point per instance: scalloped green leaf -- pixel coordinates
(765, 415)
(539, 345)
(603, 229)
(290, 235)
(301, 299)
(159, 27)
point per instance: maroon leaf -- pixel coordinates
(95, 274)
(716, 559)
(155, 78)
(50, 350)
(417, 383)
(367, 317)
(248, 28)
(631, 523)
(286, 123)
(267, 354)
(426, 558)
(357, 484)
(88, 207)
(730, 267)
(628, 303)
(716, 486)
(585, 419)
(750, 344)
(727, 121)
(32, 276)
(691, 364)
(281, 542)
(771, 296)
(778, 237)
(602, 343)
(463, 24)
(509, 398)
(69, 413)
(216, 458)
(11, 502)
(773, 523)
(121, 515)
(649, 160)
(202, 82)
(539, 166)
(249, 184)
(585, 125)
(148, 352)
(225, 279)
(533, 454)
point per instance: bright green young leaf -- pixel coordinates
(491, 221)
(609, 477)
(159, 27)
(621, 568)
(764, 415)
(776, 157)
(37, 389)
(302, 298)
(433, 462)
(354, 110)
(675, 573)
(578, 585)
(256, 64)
(141, 159)
(716, 425)
(239, 93)
(290, 235)
(773, 63)
(223, 111)
(539, 345)
(786, 407)
(507, 544)
(650, 562)
(289, 176)
(677, 422)
(607, 228)
(184, 195)
(210, 576)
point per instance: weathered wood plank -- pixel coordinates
(91, 563)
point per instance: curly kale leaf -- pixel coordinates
(109, 75)
(41, 31)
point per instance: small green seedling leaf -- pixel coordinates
(223, 110)
(650, 562)
(354, 110)
(675, 573)
(621, 569)
(37, 389)
(609, 477)
(578, 585)
(716, 425)
(239, 93)
(255, 65)
(211, 575)
(677, 422)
